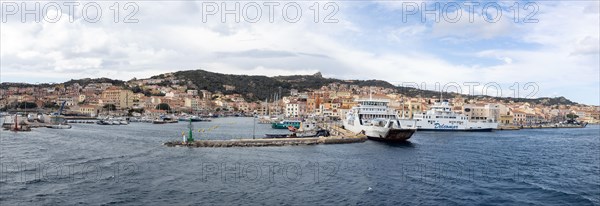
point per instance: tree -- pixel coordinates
(26, 105)
(163, 106)
(131, 111)
(572, 116)
(109, 107)
(137, 89)
(51, 105)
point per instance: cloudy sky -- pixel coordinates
(549, 48)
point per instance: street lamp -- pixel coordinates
(254, 126)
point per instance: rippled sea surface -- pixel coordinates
(127, 165)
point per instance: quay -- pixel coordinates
(81, 120)
(513, 127)
(342, 137)
(263, 142)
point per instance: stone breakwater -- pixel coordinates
(268, 142)
(341, 136)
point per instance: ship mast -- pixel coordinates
(403, 108)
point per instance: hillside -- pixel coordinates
(262, 87)
(259, 88)
(86, 81)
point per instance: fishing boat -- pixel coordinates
(285, 124)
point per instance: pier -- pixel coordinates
(342, 137)
(263, 142)
(514, 127)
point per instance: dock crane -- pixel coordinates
(62, 106)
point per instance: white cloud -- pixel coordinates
(477, 28)
(169, 38)
(587, 45)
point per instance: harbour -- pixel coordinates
(541, 166)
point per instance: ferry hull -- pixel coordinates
(394, 135)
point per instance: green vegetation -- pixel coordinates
(163, 106)
(109, 107)
(572, 116)
(259, 88)
(86, 81)
(51, 105)
(26, 105)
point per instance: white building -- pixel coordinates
(295, 109)
(481, 112)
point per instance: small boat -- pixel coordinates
(318, 133)
(102, 122)
(159, 121)
(113, 121)
(276, 135)
(59, 126)
(164, 121)
(194, 119)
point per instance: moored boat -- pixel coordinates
(59, 126)
(164, 121)
(377, 121)
(440, 117)
(194, 119)
(285, 124)
(103, 122)
(317, 133)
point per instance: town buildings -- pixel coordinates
(333, 100)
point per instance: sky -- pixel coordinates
(546, 49)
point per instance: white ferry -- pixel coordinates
(376, 121)
(440, 117)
